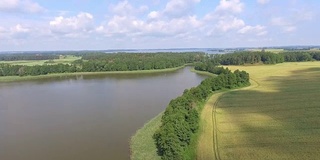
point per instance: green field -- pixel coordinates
(268, 50)
(278, 117)
(142, 144)
(65, 60)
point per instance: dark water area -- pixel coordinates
(83, 117)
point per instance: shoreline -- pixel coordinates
(142, 140)
(203, 72)
(142, 144)
(6, 79)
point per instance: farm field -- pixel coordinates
(268, 50)
(66, 60)
(278, 117)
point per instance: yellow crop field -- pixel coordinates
(66, 60)
(278, 117)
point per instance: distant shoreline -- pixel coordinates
(5, 79)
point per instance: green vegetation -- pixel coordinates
(249, 57)
(25, 78)
(27, 56)
(137, 61)
(267, 50)
(277, 118)
(100, 62)
(203, 72)
(176, 137)
(142, 144)
(63, 59)
(257, 122)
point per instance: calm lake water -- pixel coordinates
(83, 117)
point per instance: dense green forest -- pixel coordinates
(250, 57)
(17, 57)
(100, 62)
(137, 61)
(181, 118)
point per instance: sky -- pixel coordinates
(32, 25)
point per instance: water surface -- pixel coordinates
(83, 117)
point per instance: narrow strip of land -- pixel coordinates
(215, 131)
(208, 147)
(26, 78)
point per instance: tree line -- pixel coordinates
(101, 62)
(180, 120)
(250, 57)
(137, 61)
(18, 57)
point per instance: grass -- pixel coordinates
(278, 118)
(205, 149)
(66, 60)
(142, 144)
(268, 50)
(26, 78)
(202, 72)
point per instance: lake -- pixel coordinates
(83, 117)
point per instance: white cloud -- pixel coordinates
(303, 15)
(284, 23)
(279, 21)
(289, 28)
(25, 6)
(19, 29)
(122, 8)
(124, 25)
(229, 23)
(179, 8)
(2, 32)
(292, 21)
(82, 23)
(132, 26)
(224, 18)
(175, 20)
(125, 8)
(230, 6)
(15, 32)
(258, 30)
(2, 29)
(263, 1)
(153, 15)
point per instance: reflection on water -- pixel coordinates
(83, 117)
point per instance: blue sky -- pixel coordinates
(139, 24)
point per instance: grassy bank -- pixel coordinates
(202, 72)
(142, 144)
(26, 78)
(277, 119)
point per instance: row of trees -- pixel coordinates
(180, 120)
(98, 62)
(17, 57)
(20, 70)
(137, 61)
(249, 57)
